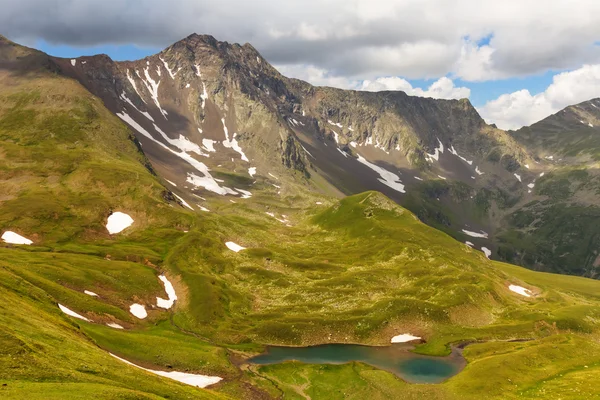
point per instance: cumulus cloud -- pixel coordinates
(354, 39)
(517, 109)
(443, 88)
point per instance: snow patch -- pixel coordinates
(118, 221)
(307, 152)
(342, 152)
(386, 177)
(207, 181)
(469, 243)
(72, 313)
(417, 178)
(172, 183)
(335, 124)
(185, 203)
(209, 145)
(442, 177)
(520, 290)
(197, 380)
(234, 247)
(90, 293)
(252, 171)
(478, 171)
(453, 151)
(15, 238)
(233, 143)
(436, 154)
(130, 78)
(182, 143)
(152, 87)
(518, 177)
(169, 69)
(113, 325)
(486, 251)
(245, 194)
(405, 337)
(162, 303)
(73, 62)
(481, 234)
(124, 97)
(138, 310)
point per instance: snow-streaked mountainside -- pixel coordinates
(204, 109)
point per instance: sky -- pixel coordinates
(517, 61)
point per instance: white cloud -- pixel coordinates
(443, 88)
(517, 109)
(354, 39)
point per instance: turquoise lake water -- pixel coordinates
(397, 359)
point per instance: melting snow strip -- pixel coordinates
(518, 177)
(124, 97)
(162, 303)
(234, 246)
(113, 325)
(185, 203)
(476, 234)
(436, 153)
(15, 238)
(209, 145)
(469, 243)
(130, 78)
(168, 69)
(405, 337)
(172, 183)
(90, 293)
(386, 177)
(152, 87)
(307, 152)
(486, 251)
(245, 194)
(197, 380)
(72, 313)
(233, 143)
(342, 152)
(207, 181)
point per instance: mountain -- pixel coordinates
(209, 111)
(257, 217)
